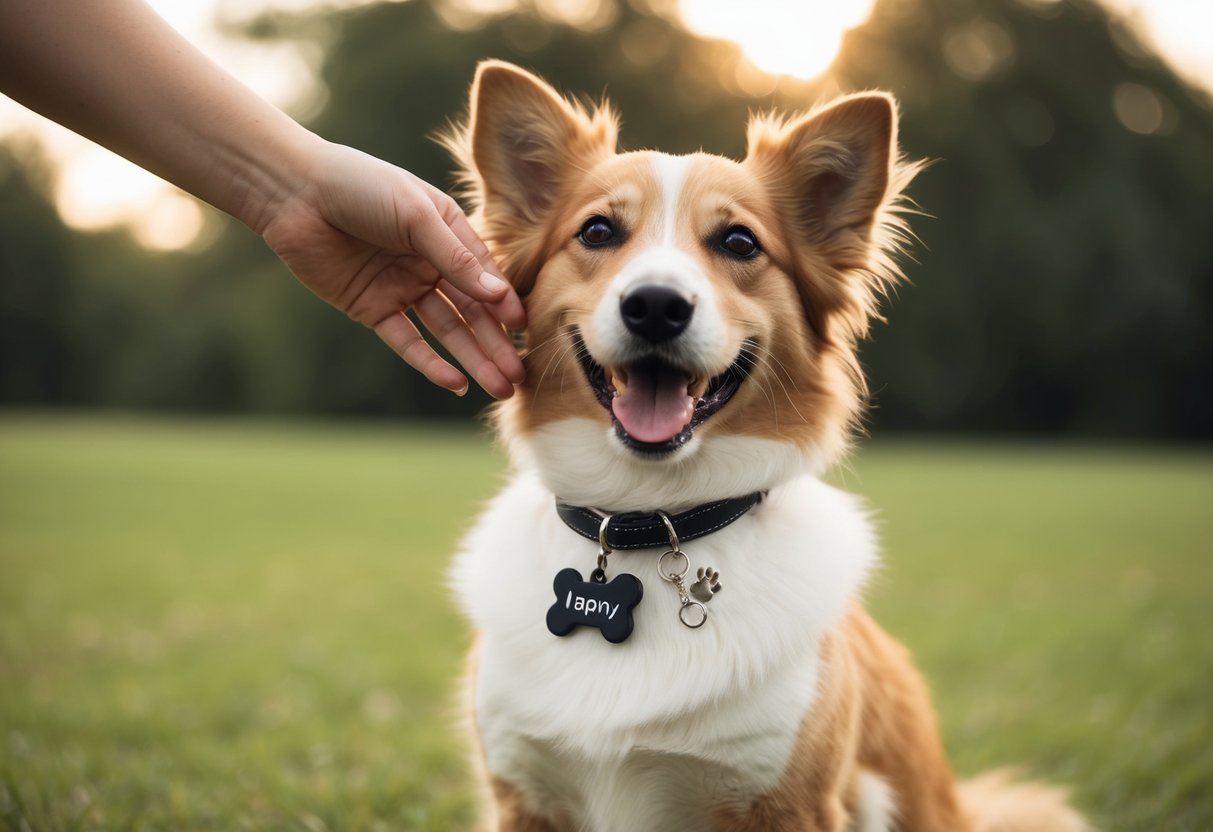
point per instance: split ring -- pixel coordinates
(693, 623)
(669, 574)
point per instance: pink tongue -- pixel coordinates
(655, 406)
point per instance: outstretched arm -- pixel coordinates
(364, 235)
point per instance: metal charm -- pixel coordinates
(707, 586)
(672, 566)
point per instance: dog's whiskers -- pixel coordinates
(763, 384)
(557, 359)
(564, 337)
(557, 356)
(749, 351)
(765, 355)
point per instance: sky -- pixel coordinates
(94, 189)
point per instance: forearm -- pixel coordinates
(115, 72)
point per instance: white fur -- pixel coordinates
(673, 725)
(877, 809)
(656, 732)
(704, 347)
(582, 462)
(671, 173)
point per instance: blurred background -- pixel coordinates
(1063, 281)
(226, 512)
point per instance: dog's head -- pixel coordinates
(693, 320)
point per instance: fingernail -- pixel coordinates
(492, 282)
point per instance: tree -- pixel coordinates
(1063, 282)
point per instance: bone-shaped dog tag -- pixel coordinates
(606, 605)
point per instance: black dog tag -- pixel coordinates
(594, 603)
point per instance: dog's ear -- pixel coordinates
(829, 171)
(526, 139)
(521, 146)
(836, 180)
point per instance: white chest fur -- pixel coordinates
(654, 732)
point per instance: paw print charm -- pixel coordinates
(707, 585)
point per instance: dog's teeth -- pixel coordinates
(619, 384)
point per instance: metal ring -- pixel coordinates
(669, 527)
(673, 576)
(703, 615)
(602, 530)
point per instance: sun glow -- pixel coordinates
(782, 37)
(96, 190)
(799, 38)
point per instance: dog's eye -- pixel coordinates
(597, 231)
(739, 241)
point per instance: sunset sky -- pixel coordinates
(95, 189)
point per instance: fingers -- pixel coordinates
(464, 326)
(431, 235)
(467, 312)
(465, 309)
(492, 339)
(398, 332)
(508, 308)
(450, 328)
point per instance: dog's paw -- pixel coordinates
(707, 585)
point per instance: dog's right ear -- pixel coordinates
(522, 144)
(526, 139)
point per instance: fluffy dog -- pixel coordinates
(691, 371)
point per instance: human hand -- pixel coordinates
(369, 238)
(374, 241)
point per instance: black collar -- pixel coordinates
(643, 529)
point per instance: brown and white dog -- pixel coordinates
(692, 338)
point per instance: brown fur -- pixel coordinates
(993, 802)
(873, 714)
(806, 302)
(504, 807)
(512, 813)
(823, 192)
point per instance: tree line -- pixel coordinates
(1062, 281)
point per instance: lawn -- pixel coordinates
(243, 625)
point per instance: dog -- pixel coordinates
(664, 595)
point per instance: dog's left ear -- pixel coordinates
(829, 172)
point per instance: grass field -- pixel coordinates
(244, 625)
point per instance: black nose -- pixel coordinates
(655, 313)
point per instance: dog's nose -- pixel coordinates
(655, 313)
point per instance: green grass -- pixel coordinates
(244, 625)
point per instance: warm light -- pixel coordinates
(977, 48)
(174, 222)
(800, 38)
(580, 14)
(1182, 30)
(96, 190)
(1138, 108)
(783, 37)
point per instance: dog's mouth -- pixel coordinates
(656, 406)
